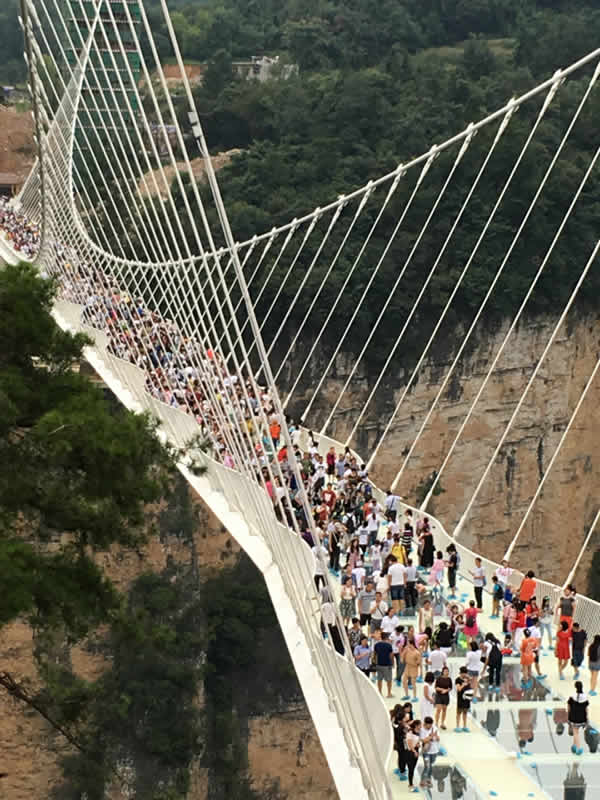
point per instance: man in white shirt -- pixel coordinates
(389, 623)
(378, 610)
(358, 575)
(321, 555)
(410, 584)
(437, 660)
(391, 505)
(503, 573)
(396, 575)
(430, 738)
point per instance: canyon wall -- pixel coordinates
(556, 527)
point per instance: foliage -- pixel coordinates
(81, 472)
(593, 588)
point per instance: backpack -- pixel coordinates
(495, 656)
(470, 619)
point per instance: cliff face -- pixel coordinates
(280, 752)
(555, 530)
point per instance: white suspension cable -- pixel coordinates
(502, 127)
(533, 283)
(433, 154)
(565, 433)
(549, 344)
(365, 198)
(415, 305)
(571, 575)
(483, 304)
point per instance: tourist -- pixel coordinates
(577, 706)
(470, 628)
(391, 505)
(430, 739)
(453, 564)
(410, 586)
(563, 647)
(412, 657)
(578, 640)
(378, 610)
(546, 621)
(497, 596)
(437, 659)
(464, 694)
(528, 648)
(479, 579)
(427, 707)
(425, 617)
(355, 633)
(436, 575)
(396, 579)
(413, 748)
(527, 588)
(493, 662)
(390, 622)
(400, 719)
(594, 663)
(566, 605)
(348, 602)
(426, 546)
(503, 573)
(443, 687)
(473, 666)
(362, 656)
(365, 600)
(384, 663)
(407, 540)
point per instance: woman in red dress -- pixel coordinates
(563, 647)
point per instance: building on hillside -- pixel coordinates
(263, 68)
(112, 55)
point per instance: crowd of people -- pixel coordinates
(21, 235)
(395, 591)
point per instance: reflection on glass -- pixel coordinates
(533, 730)
(449, 783)
(511, 688)
(568, 781)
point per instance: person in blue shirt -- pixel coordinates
(362, 656)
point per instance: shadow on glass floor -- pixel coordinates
(511, 687)
(568, 781)
(450, 783)
(533, 731)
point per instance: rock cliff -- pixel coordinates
(555, 529)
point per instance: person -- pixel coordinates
(528, 648)
(445, 638)
(359, 574)
(362, 656)
(384, 663)
(425, 618)
(470, 628)
(563, 648)
(474, 666)
(427, 707)
(413, 748)
(400, 721)
(577, 707)
(355, 633)
(390, 622)
(527, 588)
(497, 596)
(443, 687)
(503, 573)
(348, 602)
(566, 605)
(494, 664)
(546, 620)
(407, 539)
(426, 546)
(410, 585)
(378, 610)
(411, 657)
(391, 505)
(436, 576)
(365, 600)
(335, 535)
(594, 663)
(329, 623)
(578, 640)
(320, 554)
(452, 562)
(464, 694)
(437, 659)
(478, 575)
(398, 640)
(396, 573)
(430, 739)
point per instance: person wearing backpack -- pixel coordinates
(497, 596)
(453, 562)
(493, 663)
(470, 628)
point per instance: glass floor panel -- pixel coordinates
(511, 689)
(533, 731)
(568, 781)
(448, 783)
